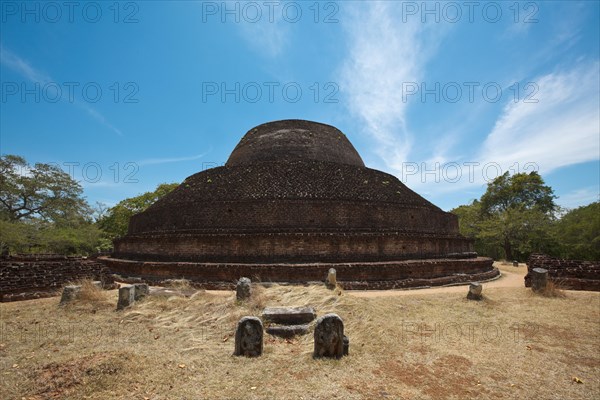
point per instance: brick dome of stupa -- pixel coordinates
(292, 192)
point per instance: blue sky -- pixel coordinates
(444, 95)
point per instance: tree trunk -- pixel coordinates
(507, 250)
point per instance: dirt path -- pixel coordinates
(511, 277)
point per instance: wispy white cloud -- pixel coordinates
(268, 38)
(562, 128)
(26, 70)
(383, 55)
(98, 117)
(155, 161)
(580, 197)
(263, 30)
(20, 66)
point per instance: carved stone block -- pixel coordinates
(329, 337)
(249, 337)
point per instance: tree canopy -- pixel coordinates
(116, 220)
(41, 191)
(42, 209)
(520, 191)
(578, 233)
(514, 214)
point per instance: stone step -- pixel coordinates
(289, 315)
(288, 331)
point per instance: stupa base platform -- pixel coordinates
(352, 276)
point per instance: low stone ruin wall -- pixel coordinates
(374, 276)
(34, 276)
(568, 274)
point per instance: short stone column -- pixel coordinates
(475, 289)
(515, 263)
(331, 281)
(249, 337)
(141, 290)
(126, 296)
(346, 345)
(539, 279)
(69, 294)
(243, 289)
(329, 337)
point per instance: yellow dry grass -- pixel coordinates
(513, 344)
(553, 289)
(90, 293)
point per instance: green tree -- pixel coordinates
(20, 236)
(42, 209)
(515, 214)
(518, 231)
(578, 233)
(116, 220)
(469, 218)
(41, 191)
(469, 222)
(519, 191)
(73, 239)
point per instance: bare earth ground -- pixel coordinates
(420, 344)
(512, 277)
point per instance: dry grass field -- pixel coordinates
(425, 345)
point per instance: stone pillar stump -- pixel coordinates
(475, 290)
(243, 289)
(539, 279)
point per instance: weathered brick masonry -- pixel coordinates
(379, 275)
(291, 247)
(30, 277)
(569, 274)
(293, 200)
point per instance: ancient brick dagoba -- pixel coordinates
(293, 200)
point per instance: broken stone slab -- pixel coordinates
(249, 337)
(126, 296)
(331, 282)
(243, 289)
(329, 337)
(288, 331)
(141, 290)
(539, 279)
(69, 294)
(475, 290)
(289, 315)
(168, 292)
